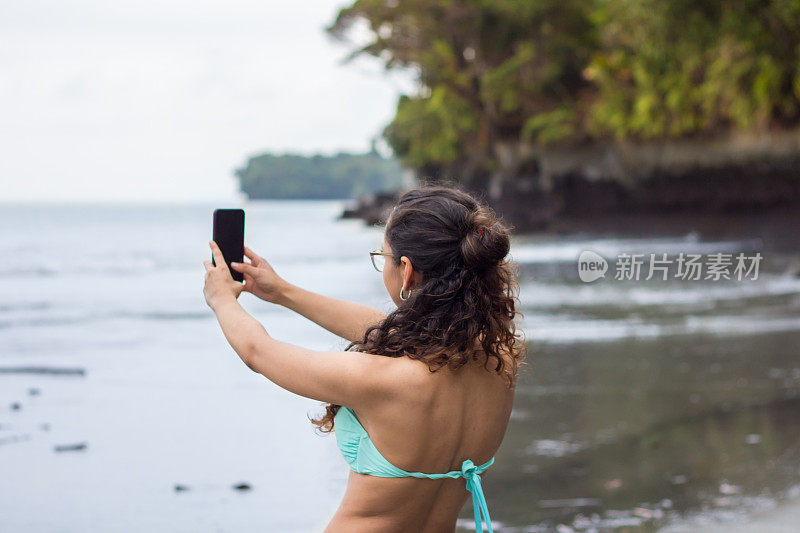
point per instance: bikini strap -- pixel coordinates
(470, 472)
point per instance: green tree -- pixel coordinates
(485, 69)
(339, 176)
(498, 72)
(669, 69)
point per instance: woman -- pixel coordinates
(421, 397)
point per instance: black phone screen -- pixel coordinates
(229, 236)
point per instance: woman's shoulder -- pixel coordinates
(405, 376)
(416, 381)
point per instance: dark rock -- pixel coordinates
(16, 406)
(33, 391)
(181, 488)
(44, 427)
(70, 447)
(242, 486)
(374, 208)
(719, 191)
(538, 188)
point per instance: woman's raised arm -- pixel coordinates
(354, 379)
(348, 320)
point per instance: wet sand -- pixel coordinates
(784, 518)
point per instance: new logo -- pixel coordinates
(591, 266)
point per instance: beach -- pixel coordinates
(782, 518)
(644, 405)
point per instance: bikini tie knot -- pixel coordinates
(468, 469)
(470, 472)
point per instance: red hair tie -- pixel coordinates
(480, 233)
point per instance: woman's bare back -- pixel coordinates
(450, 417)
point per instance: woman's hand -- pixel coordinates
(220, 285)
(260, 279)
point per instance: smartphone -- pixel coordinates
(229, 236)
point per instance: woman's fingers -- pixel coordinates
(254, 257)
(249, 283)
(219, 259)
(245, 268)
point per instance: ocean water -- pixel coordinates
(642, 404)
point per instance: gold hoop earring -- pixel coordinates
(401, 294)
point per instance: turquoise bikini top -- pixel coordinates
(363, 458)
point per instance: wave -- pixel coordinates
(538, 295)
(50, 370)
(113, 315)
(129, 268)
(565, 251)
(24, 306)
(139, 267)
(546, 329)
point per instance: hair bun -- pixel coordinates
(486, 242)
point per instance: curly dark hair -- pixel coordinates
(467, 294)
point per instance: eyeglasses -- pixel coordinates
(378, 259)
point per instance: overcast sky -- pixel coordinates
(139, 100)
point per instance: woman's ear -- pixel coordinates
(408, 272)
